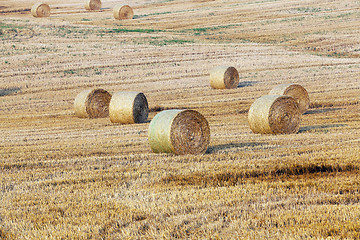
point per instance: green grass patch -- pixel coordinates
(170, 42)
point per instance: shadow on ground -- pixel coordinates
(246, 84)
(320, 127)
(218, 148)
(323, 110)
(8, 91)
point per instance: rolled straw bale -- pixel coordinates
(274, 114)
(92, 103)
(128, 107)
(40, 10)
(296, 91)
(92, 5)
(224, 77)
(123, 12)
(180, 132)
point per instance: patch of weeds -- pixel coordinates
(8, 91)
(308, 9)
(86, 20)
(98, 72)
(120, 30)
(169, 42)
(69, 72)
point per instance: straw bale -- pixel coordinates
(224, 77)
(296, 91)
(40, 10)
(123, 12)
(92, 5)
(92, 103)
(128, 108)
(179, 132)
(274, 114)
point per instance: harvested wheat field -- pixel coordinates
(65, 177)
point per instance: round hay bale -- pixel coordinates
(91, 5)
(40, 10)
(123, 12)
(274, 114)
(296, 91)
(92, 103)
(128, 107)
(180, 132)
(224, 77)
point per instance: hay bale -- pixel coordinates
(224, 77)
(296, 91)
(123, 12)
(92, 103)
(180, 132)
(128, 107)
(274, 114)
(40, 10)
(91, 5)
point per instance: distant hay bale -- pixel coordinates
(40, 10)
(91, 5)
(274, 114)
(180, 132)
(123, 12)
(92, 103)
(224, 77)
(296, 91)
(128, 108)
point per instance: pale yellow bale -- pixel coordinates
(128, 108)
(40, 10)
(92, 5)
(274, 114)
(224, 77)
(92, 103)
(296, 91)
(123, 12)
(179, 132)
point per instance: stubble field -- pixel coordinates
(62, 177)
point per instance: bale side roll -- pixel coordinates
(92, 5)
(274, 114)
(128, 108)
(296, 91)
(224, 77)
(179, 132)
(123, 12)
(40, 10)
(92, 103)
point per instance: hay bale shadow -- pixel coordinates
(320, 127)
(323, 110)
(222, 147)
(9, 91)
(246, 84)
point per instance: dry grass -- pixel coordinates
(68, 178)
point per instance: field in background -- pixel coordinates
(62, 177)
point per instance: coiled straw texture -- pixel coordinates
(274, 114)
(296, 91)
(123, 12)
(128, 108)
(91, 5)
(224, 77)
(92, 103)
(40, 10)
(179, 132)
